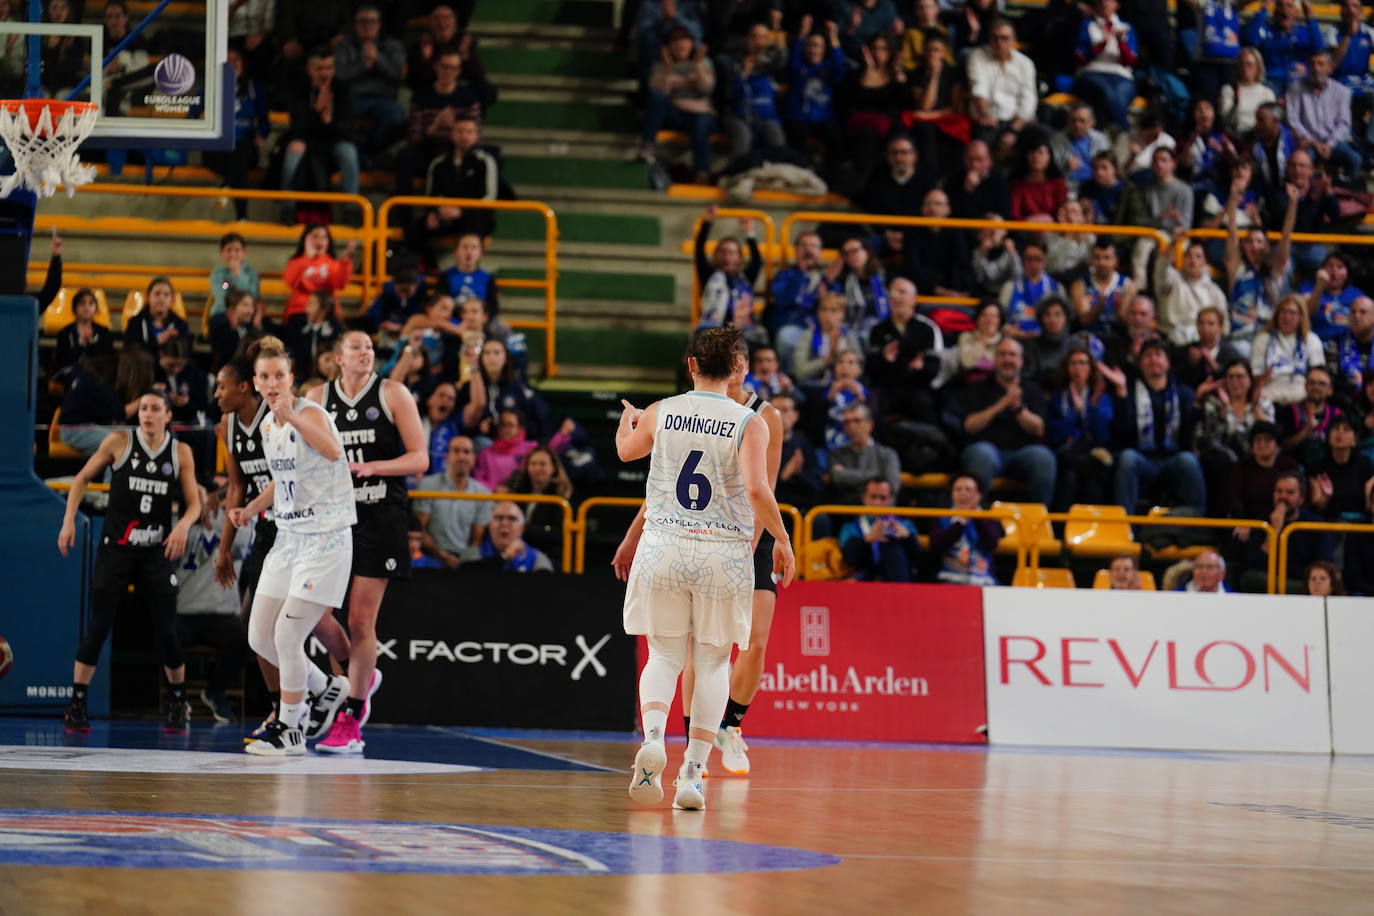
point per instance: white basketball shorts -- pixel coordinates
(682, 585)
(314, 566)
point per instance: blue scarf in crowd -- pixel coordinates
(1349, 359)
(1145, 417)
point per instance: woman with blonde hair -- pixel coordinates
(1241, 99)
(1285, 350)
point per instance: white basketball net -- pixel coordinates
(45, 154)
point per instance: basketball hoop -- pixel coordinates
(42, 136)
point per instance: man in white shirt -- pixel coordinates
(1002, 83)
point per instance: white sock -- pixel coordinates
(291, 714)
(316, 681)
(698, 751)
(655, 722)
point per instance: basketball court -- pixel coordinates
(539, 822)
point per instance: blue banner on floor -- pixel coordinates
(520, 650)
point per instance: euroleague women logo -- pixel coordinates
(174, 75)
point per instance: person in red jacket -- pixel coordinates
(313, 268)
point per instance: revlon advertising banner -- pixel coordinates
(1350, 627)
(871, 661)
(1208, 672)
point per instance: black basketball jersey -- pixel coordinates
(143, 484)
(245, 444)
(369, 433)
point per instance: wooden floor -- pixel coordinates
(915, 830)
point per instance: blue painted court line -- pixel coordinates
(419, 744)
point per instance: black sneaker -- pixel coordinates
(178, 716)
(219, 706)
(278, 741)
(74, 719)
(324, 707)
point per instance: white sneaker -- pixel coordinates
(732, 750)
(279, 741)
(691, 791)
(646, 785)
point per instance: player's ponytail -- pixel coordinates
(267, 347)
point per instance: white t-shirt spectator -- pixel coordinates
(1009, 86)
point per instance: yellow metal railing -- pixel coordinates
(549, 284)
(1169, 521)
(770, 241)
(1334, 527)
(1001, 515)
(1301, 238)
(634, 502)
(541, 498)
(211, 228)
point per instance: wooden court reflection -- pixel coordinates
(918, 830)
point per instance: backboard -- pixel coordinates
(159, 73)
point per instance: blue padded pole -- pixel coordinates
(34, 88)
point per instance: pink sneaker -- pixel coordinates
(345, 737)
(372, 686)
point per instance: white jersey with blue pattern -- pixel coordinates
(313, 494)
(695, 487)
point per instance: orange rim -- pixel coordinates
(34, 108)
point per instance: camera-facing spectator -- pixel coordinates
(1330, 296)
(314, 268)
(1350, 354)
(1123, 574)
(1323, 579)
(1284, 41)
(1078, 427)
(1208, 575)
(1155, 419)
(1242, 98)
(542, 474)
(796, 291)
(765, 376)
(1107, 54)
(243, 321)
(1304, 548)
(318, 331)
(1183, 294)
(156, 323)
(937, 257)
(1100, 298)
(815, 73)
(679, 98)
(1304, 424)
(1250, 481)
(880, 548)
(1002, 83)
(725, 277)
(816, 352)
(465, 170)
(372, 66)
(1318, 110)
(965, 546)
(509, 447)
(1075, 146)
(1004, 422)
(83, 337)
(977, 189)
(232, 274)
(853, 465)
(321, 130)
(1204, 358)
(1022, 295)
(1137, 327)
(434, 113)
(1284, 352)
(503, 547)
(451, 526)
(1258, 276)
(977, 349)
(800, 477)
(439, 423)
(401, 296)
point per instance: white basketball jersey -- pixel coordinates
(695, 487)
(313, 493)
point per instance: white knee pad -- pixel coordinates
(658, 680)
(262, 625)
(294, 623)
(712, 692)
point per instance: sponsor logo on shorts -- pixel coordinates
(390, 563)
(173, 577)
